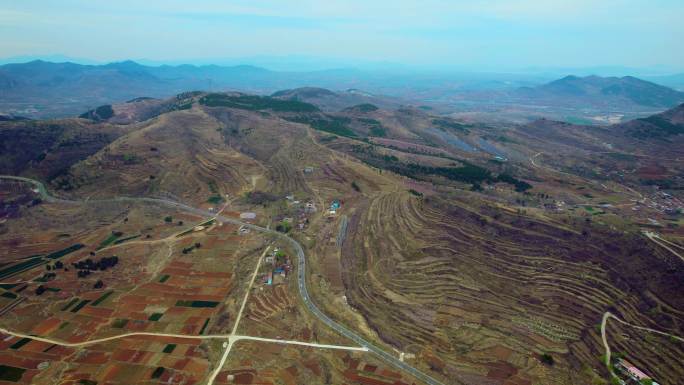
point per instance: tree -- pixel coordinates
(547, 359)
(40, 290)
(168, 219)
(99, 284)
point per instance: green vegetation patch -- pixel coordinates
(22, 266)
(100, 113)
(378, 131)
(206, 322)
(8, 286)
(119, 323)
(122, 240)
(164, 278)
(183, 106)
(158, 372)
(80, 306)
(169, 348)
(519, 185)
(70, 304)
(256, 103)
(468, 173)
(105, 112)
(215, 199)
(375, 127)
(155, 317)
(110, 239)
(130, 159)
(17, 345)
(86, 382)
(660, 128)
(63, 252)
(184, 303)
(444, 125)
(332, 124)
(283, 227)
(102, 298)
(9, 294)
(365, 107)
(11, 373)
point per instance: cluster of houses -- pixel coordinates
(660, 201)
(301, 218)
(632, 374)
(334, 206)
(279, 267)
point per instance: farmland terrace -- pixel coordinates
(486, 263)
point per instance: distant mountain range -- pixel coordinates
(603, 90)
(40, 89)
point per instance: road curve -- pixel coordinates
(608, 315)
(301, 271)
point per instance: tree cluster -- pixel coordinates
(87, 266)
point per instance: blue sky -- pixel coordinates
(477, 34)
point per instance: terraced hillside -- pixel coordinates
(473, 289)
(471, 251)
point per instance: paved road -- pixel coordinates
(301, 273)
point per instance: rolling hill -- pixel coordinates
(612, 91)
(475, 249)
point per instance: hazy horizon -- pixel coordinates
(488, 36)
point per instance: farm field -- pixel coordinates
(206, 234)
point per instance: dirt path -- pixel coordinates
(231, 341)
(662, 243)
(608, 315)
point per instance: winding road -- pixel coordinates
(301, 274)
(608, 315)
(663, 243)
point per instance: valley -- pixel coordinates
(326, 243)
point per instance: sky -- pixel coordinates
(473, 34)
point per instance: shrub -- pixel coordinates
(215, 199)
(283, 227)
(168, 219)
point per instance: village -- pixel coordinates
(631, 374)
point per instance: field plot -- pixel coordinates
(117, 269)
(271, 364)
(274, 309)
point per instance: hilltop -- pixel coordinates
(614, 91)
(478, 250)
